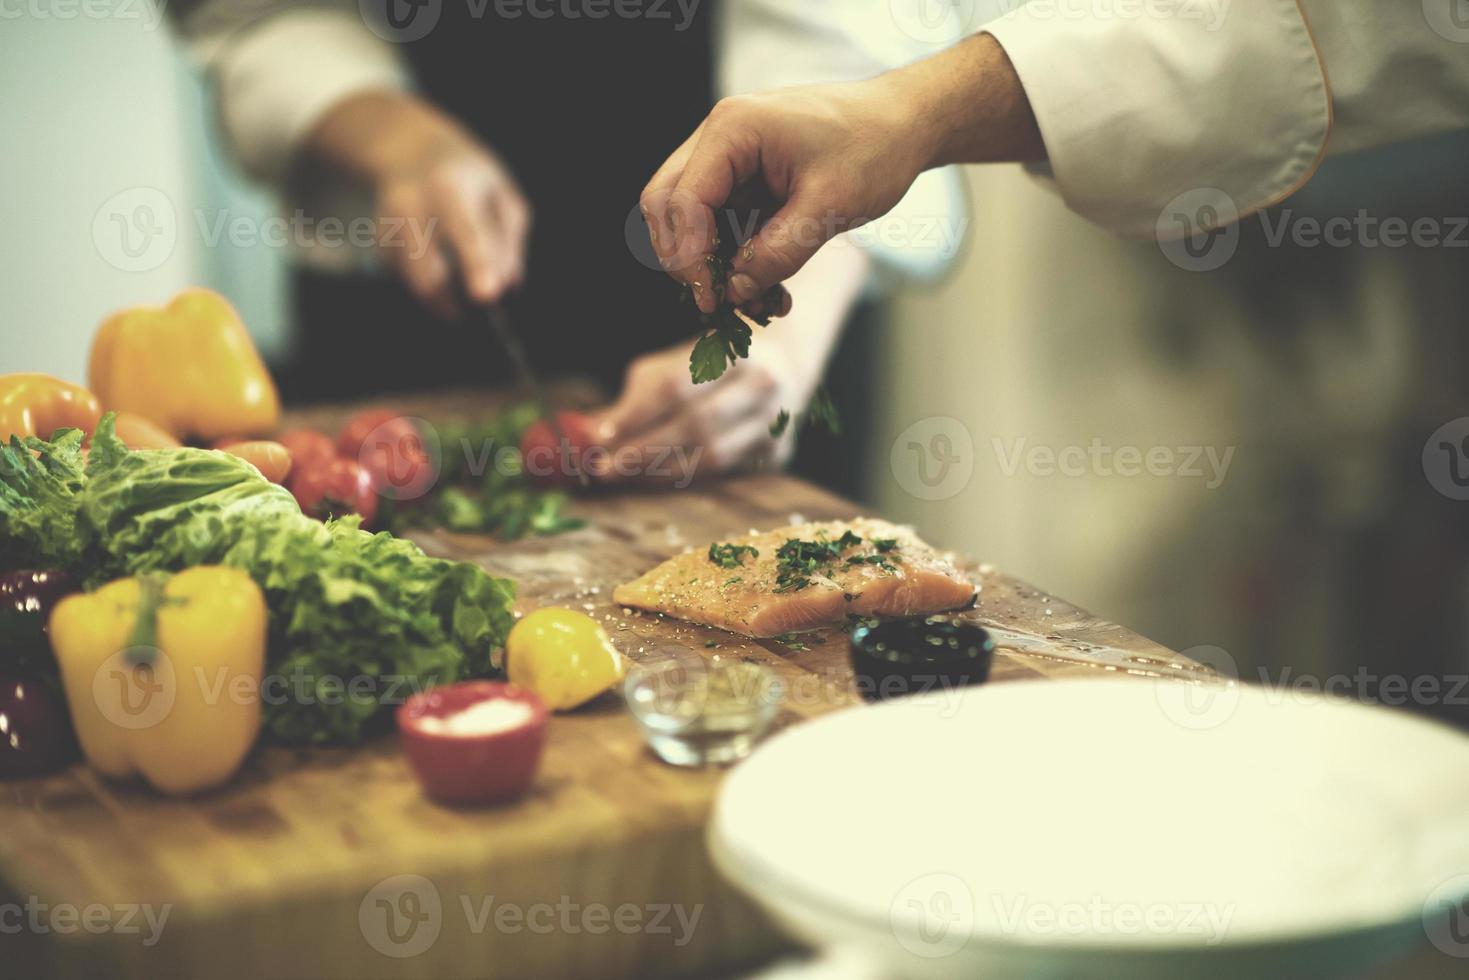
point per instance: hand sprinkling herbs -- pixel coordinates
(726, 332)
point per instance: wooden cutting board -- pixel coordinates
(330, 863)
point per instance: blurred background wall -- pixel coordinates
(100, 113)
(1310, 540)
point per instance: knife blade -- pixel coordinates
(499, 322)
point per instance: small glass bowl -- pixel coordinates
(697, 712)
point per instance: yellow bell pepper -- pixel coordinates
(38, 405)
(162, 674)
(188, 367)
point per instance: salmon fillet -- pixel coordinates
(802, 577)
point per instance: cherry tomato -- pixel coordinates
(334, 488)
(392, 450)
(553, 458)
(362, 424)
(308, 447)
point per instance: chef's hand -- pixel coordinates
(834, 157)
(663, 421)
(446, 205)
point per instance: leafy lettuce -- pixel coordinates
(39, 483)
(358, 620)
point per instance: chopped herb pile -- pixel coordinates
(796, 560)
(731, 555)
(483, 485)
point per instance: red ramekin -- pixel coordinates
(492, 768)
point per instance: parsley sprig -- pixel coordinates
(727, 334)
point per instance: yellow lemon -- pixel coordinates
(563, 656)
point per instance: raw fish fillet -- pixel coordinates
(907, 579)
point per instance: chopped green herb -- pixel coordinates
(731, 555)
(734, 581)
(881, 561)
(823, 411)
(474, 496)
(710, 644)
(796, 560)
(726, 336)
(885, 545)
(779, 426)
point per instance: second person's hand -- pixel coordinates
(445, 204)
(665, 430)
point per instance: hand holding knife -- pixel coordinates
(499, 323)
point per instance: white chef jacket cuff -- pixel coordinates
(277, 78)
(1138, 112)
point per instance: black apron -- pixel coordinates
(583, 111)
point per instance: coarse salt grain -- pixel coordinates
(488, 717)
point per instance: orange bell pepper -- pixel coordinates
(38, 405)
(188, 367)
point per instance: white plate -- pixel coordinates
(1105, 827)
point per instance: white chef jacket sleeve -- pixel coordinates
(277, 66)
(765, 44)
(1235, 98)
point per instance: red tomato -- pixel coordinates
(307, 447)
(556, 461)
(392, 450)
(334, 488)
(362, 424)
